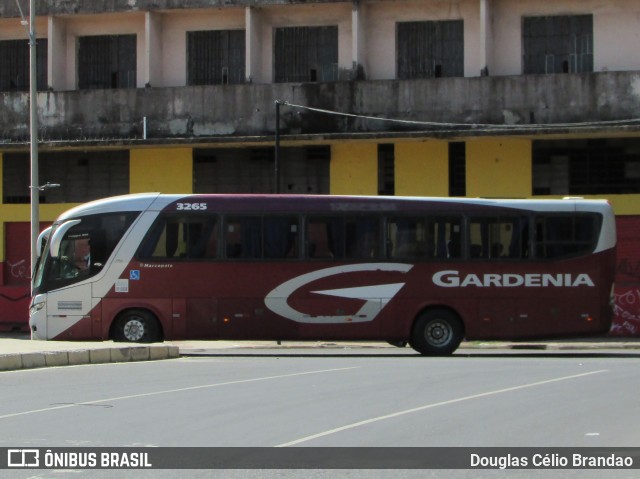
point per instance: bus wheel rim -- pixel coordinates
(133, 330)
(438, 332)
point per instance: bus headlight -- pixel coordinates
(35, 308)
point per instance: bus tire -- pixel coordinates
(136, 326)
(437, 332)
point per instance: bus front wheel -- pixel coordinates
(136, 326)
(437, 332)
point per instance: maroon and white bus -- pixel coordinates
(427, 271)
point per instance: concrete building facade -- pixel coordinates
(477, 98)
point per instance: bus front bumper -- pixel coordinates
(38, 317)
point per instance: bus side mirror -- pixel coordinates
(42, 237)
(56, 239)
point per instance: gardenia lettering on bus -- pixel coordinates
(452, 279)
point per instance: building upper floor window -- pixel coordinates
(14, 65)
(107, 61)
(557, 44)
(306, 54)
(215, 57)
(430, 49)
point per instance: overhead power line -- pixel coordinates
(527, 126)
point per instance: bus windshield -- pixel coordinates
(78, 249)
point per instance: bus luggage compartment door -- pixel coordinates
(200, 321)
(497, 318)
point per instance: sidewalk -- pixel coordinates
(18, 351)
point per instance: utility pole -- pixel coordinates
(277, 150)
(33, 128)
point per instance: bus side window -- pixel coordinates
(162, 240)
(325, 237)
(362, 237)
(498, 238)
(407, 238)
(97, 249)
(211, 245)
(181, 237)
(446, 234)
(201, 238)
(317, 240)
(519, 245)
(559, 236)
(280, 237)
(243, 238)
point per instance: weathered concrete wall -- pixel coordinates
(249, 110)
(9, 9)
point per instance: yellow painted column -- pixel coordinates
(354, 169)
(499, 168)
(422, 168)
(165, 170)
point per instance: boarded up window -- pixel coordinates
(430, 49)
(216, 57)
(557, 44)
(107, 61)
(586, 167)
(306, 54)
(83, 176)
(14, 65)
(229, 170)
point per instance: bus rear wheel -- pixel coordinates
(437, 332)
(136, 326)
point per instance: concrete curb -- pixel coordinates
(17, 361)
(25, 355)
(188, 348)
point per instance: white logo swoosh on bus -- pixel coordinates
(376, 297)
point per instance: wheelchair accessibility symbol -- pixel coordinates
(134, 274)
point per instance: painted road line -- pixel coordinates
(171, 391)
(433, 405)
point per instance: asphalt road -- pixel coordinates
(268, 399)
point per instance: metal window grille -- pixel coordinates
(306, 54)
(557, 44)
(14, 64)
(216, 57)
(430, 49)
(107, 61)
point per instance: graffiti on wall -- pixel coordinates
(626, 321)
(19, 270)
(626, 312)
